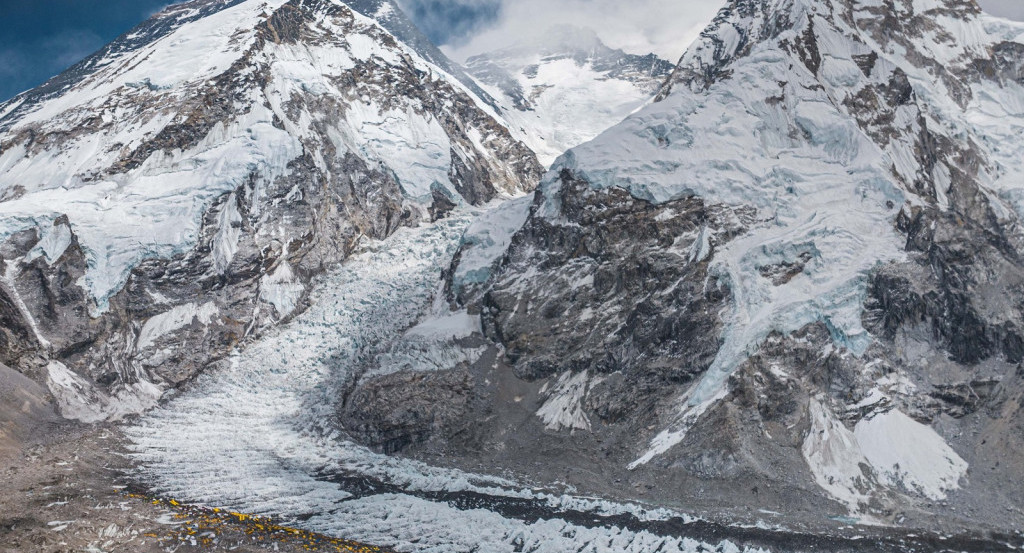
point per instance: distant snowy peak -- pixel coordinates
(579, 44)
(565, 86)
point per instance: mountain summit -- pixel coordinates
(565, 86)
(186, 183)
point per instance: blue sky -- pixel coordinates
(40, 38)
(447, 21)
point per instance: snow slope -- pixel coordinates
(564, 86)
(184, 184)
(822, 184)
(132, 96)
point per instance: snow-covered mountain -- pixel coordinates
(793, 283)
(564, 86)
(176, 192)
(783, 295)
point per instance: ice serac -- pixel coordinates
(564, 86)
(176, 192)
(783, 280)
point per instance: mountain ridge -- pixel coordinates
(776, 302)
(781, 274)
(194, 181)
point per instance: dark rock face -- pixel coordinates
(619, 285)
(392, 18)
(618, 290)
(58, 302)
(396, 411)
(966, 288)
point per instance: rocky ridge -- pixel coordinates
(788, 284)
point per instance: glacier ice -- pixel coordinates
(252, 434)
(486, 240)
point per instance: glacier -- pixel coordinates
(253, 435)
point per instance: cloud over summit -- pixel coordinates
(665, 27)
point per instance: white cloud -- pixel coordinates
(665, 27)
(1013, 9)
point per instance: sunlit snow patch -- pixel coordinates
(78, 399)
(885, 450)
(177, 318)
(834, 456)
(564, 405)
(909, 455)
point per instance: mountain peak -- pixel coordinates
(820, 154)
(930, 33)
(557, 41)
(247, 144)
(565, 86)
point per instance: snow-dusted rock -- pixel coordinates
(176, 192)
(796, 272)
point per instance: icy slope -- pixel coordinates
(214, 160)
(564, 86)
(842, 119)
